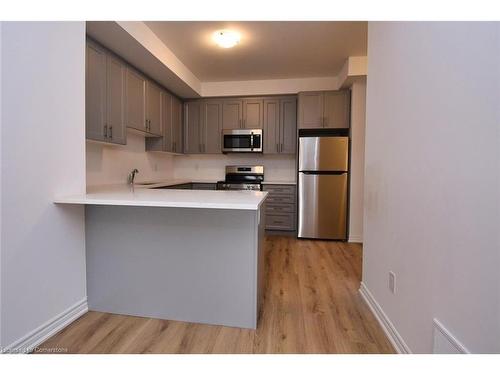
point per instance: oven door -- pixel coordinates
(242, 140)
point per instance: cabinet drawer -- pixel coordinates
(279, 189)
(280, 199)
(280, 222)
(280, 208)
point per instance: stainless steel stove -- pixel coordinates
(242, 177)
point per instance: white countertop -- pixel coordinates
(123, 195)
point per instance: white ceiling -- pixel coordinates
(267, 50)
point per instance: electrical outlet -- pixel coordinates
(392, 282)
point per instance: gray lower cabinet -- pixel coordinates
(192, 186)
(105, 96)
(324, 109)
(280, 125)
(281, 207)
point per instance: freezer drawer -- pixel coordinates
(323, 154)
(322, 207)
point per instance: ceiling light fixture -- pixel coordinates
(226, 38)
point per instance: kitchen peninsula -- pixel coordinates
(186, 255)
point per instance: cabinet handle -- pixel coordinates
(174, 147)
(111, 132)
(106, 131)
(281, 150)
(277, 148)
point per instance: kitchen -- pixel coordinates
(122, 103)
(208, 187)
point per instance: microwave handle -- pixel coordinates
(251, 141)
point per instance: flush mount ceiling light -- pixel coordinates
(226, 38)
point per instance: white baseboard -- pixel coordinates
(445, 342)
(29, 342)
(355, 239)
(389, 329)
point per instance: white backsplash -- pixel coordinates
(212, 167)
(111, 164)
(107, 164)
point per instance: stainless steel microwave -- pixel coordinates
(242, 140)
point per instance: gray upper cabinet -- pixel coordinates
(324, 109)
(211, 124)
(115, 100)
(252, 114)
(271, 126)
(176, 135)
(154, 103)
(95, 93)
(167, 123)
(232, 114)
(310, 110)
(280, 125)
(171, 121)
(243, 113)
(193, 127)
(203, 124)
(105, 96)
(136, 100)
(288, 125)
(336, 112)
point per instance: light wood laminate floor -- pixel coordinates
(311, 305)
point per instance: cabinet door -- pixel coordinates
(212, 124)
(271, 132)
(192, 113)
(136, 100)
(232, 114)
(95, 93)
(252, 113)
(310, 110)
(288, 126)
(177, 145)
(336, 111)
(115, 100)
(167, 121)
(153, 105)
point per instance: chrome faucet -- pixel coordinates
(131, 176)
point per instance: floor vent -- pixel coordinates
(445, 342)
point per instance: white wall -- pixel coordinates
(111, 164)
(42, 153)
(358, 110)
(212, 167)
(432, 179)
(268, 86)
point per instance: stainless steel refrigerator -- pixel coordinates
(323, 181)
